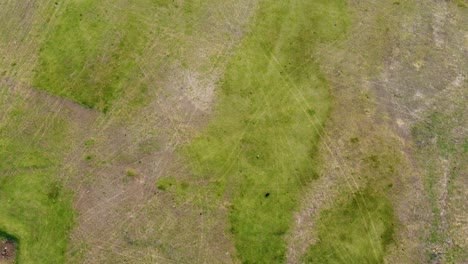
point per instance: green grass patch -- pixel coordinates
(35, 209)
(354, 232)
(259, 149)
(39, 214)
(91, 54)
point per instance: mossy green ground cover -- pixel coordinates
(259, 150)
(34, 209)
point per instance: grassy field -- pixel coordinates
(259, 150)
(201, 129)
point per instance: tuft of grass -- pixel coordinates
(131, 173)
(166, 183)
(465, 145)
(355, 232)
(461, 3)
(274, 101)
(89, 157)
(89, 143)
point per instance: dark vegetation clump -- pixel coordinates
(54, 191)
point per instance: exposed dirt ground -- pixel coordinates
(8, 251)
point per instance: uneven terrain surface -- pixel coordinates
(237, 131)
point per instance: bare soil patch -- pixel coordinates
(7, 251)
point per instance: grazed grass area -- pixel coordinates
(34, 208)
(258, 152)
(355, 232)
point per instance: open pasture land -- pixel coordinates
(236, 131)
